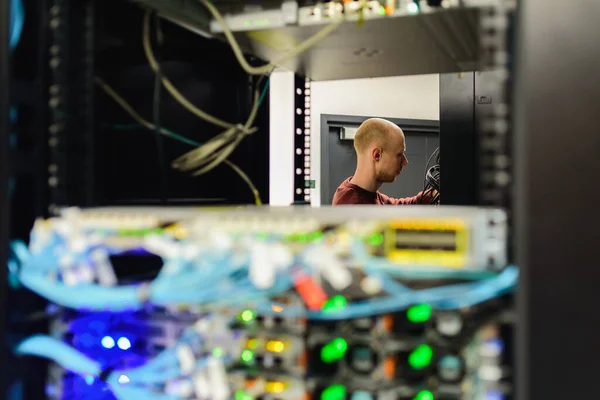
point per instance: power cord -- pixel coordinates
(143, 122)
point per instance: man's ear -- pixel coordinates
(376, 154)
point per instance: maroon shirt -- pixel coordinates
(349, 193)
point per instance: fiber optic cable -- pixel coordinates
(239, 55)
(169, 85)
(138, 118)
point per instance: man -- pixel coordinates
(380, 149)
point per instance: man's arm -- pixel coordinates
(420, 198)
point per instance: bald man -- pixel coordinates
(380, 150)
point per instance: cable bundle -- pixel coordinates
(187, 370)
(432, 177)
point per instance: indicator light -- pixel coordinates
(123, 379)
(420, 357)
(413, 8)
(276, 308)
(247, 356)
(274, 387)
(335, 303)
(108, 342)
(334, 350)
(217, 352)
(334, 392)
(247, 316)
(376, 239)
(419, 313)
(315, 236)
(302, 237)
(252, 344)
(424, 395)
(275, 346)
(123, 343)
(242, 395)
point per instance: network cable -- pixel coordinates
(169, 85)
(193, 357)
(148, 125)
(211, 277)
(239, 55)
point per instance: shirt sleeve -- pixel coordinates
(420, 198)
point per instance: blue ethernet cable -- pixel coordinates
(17, 20)
(446, 297)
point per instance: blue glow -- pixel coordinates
(124, 343)
(108, 342)
(494, 395)
(89, 379)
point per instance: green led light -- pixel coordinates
(217, 352)
(315, 236)
(334, 350)
(335, 303)
(376, 239)
(420, 357)
(247, 316)
(424, 395)
(419, 313)
(242, 395)
(413, 8)
(247, 356)
(334, 392)
(303, 237)
(381, 10)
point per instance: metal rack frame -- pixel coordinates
(302, 120)
(555, 234)
(556, 99)
(4, 165)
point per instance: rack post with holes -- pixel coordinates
(71, 91)
(302, 137)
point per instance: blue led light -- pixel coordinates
(124, 343)
(108, 342)
(89, 379)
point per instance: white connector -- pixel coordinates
(187, 361)
(329, 266)
(164, 247)
(217, 375)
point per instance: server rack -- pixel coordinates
(553, 94)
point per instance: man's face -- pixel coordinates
(392, 159)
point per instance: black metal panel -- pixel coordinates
(458, 139)
(556, 169)
(302, 119)
(4, 174)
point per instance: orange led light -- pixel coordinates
(389, 367)
(276, 308)
(387, 322)
(275, 346)
(252, 344)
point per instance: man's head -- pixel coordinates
(380, 147)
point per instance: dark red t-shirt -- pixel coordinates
(349, 193)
